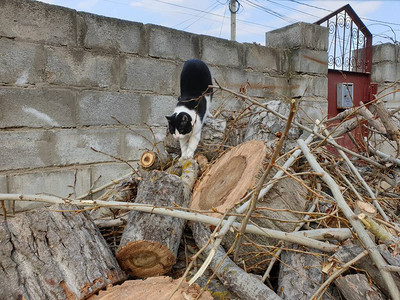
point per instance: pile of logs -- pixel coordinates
(274, 215)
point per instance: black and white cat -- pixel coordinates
(193, 106)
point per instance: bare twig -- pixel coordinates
(173, 212)
(357, 225)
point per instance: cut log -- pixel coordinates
(149, 243)
(228, 180)
(300, 275)
(357, 287)
(159, 288)
(348, 252)
(49, 254)
(245, 285)
(151, 160)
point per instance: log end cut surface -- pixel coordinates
(230, 177)
(158, 288)
(144, 259)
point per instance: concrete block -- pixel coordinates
(37, 21)
(276, 88)
(309, 86)
(170, 43)
(3, 184)
(147, 74)
(384, 52)
(73, 146)
(385, 72)
(109, 34)
(135, 144)
(37, 108)
(309, 61)
(221, 52)
(155, 108)
(63, 183)
(77, 67)
(21, 64)
(96, 108)
(299, 35)
(266, 59)
(23, 149)
(392, 98)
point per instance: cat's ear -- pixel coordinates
(170, 118)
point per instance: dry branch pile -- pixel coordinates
(280, 216)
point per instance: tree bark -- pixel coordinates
(348, 252)
(48, 254)
(149, 243)
(300, 275)
(357, 287)
(246, 286)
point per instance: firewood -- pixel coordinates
(348, 252)
(151, 160)
(301, 274)
(158, 288)
(53, 254)
(149, 243)
(246, 286)
(228, 180)
(357, 287)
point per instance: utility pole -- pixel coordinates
(232, 8)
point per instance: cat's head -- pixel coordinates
(179, 124)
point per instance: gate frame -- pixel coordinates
(356, 71)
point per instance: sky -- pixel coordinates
(254, 17)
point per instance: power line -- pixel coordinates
(327, 10)
(271, 12)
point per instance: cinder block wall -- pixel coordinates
(64, 74)
(386, 72)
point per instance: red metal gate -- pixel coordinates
(349, 63)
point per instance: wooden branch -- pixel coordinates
(338, 273)
(305, 128)
(148, 247)
(384, 156)
(380, 232)
(351, 217)
(174, 212)
(363, 112)
(53, 253)
(241, 283)
(355, 172)
(392, 130)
